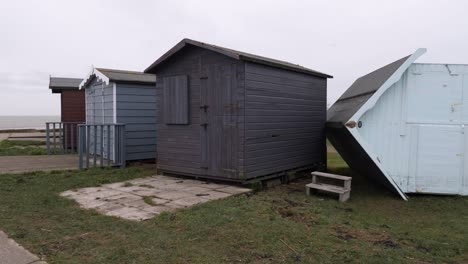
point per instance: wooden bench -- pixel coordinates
(343, 191)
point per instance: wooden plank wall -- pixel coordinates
(136, 107)
(179, 146)
(100, 110)
(73, 106)
(285, 118)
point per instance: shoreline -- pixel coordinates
(21, 130)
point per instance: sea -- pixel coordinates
(26, 122)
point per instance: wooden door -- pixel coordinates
(218, 120)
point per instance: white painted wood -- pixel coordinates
(415, 131)
(94, 72)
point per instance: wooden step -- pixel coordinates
(344, 193)
(328, 188)
(332, 176)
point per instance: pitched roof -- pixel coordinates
(112, 75)
(360, 91)
(58, 84)
(360, 97)
(239, 55)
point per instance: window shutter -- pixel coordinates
(176, 100)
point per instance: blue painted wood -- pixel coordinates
(133, 105)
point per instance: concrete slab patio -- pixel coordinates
(12, 253)
(144, 198)
(19, 164)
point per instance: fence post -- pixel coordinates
(87, 145)
(95, 145)
(72, 139)
(108, 145)
(55, 143)
(80, 147)
(123, 156)
(47, 138)
(65, 131)
(102, 146)
(61, 137)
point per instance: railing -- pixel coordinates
(101, 144)
(63, 136)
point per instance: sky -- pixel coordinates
(346, 39)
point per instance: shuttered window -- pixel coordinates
(176, 103)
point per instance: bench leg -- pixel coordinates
(344, 197)
(307, 191)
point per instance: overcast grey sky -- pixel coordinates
(343, 38)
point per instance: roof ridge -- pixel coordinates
(236, 54)
(121, 71)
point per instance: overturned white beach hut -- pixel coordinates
(404, 125)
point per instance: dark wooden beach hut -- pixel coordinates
(230, 115)
(121, 98)
(72, 108)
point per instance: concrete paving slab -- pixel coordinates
(12, 253)
(167, 194)
(131, 213)
(21, 164)
(158, 209)
(213, 195)
(174, 195)
(196, 189)
(190, 201)
(233, 190)
(159, 201)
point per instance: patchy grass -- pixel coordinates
(22, 147)
(280, 225)
(127, 184)
(146, 186)
(149, 200)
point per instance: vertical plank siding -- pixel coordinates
(175, 91)
(100, 110)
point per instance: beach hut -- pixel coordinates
(229, 115)
(116, 100)
(72, 109)
(404, 126)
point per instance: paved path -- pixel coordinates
(144, 198)
(34, 136)
(12, 253)
(4, 136)
(18, 164)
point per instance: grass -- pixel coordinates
(279, 225)
(149, 200)
(22, 147)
